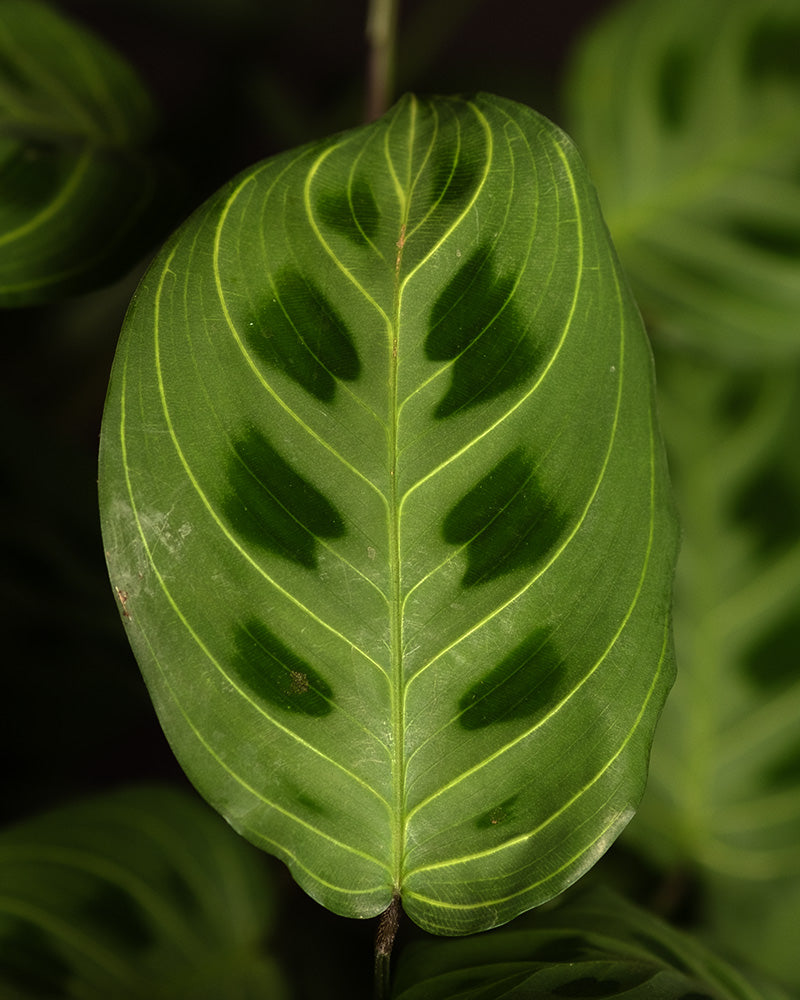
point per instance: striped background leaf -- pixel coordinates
(139, 894)
(688, 117)
(597, 945)
(386, 513)
(77, 194)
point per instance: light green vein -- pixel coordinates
(166, 591)
(238, 779)
(310, 175)
(556, 708)
(530, 834)
(598, 843)
(245, 354)
(523, 399)
(467, 209)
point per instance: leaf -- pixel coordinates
(139, 893)
(386, 513)
(687, 116)
(77, 194)
(594, 946)
(724, 789)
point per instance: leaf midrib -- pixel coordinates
(395, 592)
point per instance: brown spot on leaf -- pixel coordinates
(298, 682)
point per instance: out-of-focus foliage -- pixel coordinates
(78, 195)
(143, 894)
(688, 115)
(596, 945)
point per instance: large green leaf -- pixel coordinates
(386, 514)
(594, 946)
(687, 114)
(140, 894)
(76, 190)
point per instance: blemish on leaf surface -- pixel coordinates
(271, 671)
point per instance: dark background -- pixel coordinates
(235, 81)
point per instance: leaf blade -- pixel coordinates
(398, 546)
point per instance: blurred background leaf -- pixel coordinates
(143, 892)
(595, 945)
(688, 116)
(79, 197)
(724, 790)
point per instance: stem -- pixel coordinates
(387, 929)
(381, 38)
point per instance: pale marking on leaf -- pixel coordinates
(529, 834)
(620, 629)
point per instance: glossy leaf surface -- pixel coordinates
(75, 186)
(687, 116)
(386, 515)
(141, 894)
(595, 946)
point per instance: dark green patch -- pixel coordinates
(273, 673)
(662, 951)
(570, 948)
(774, 663)
(273, 506)
(475, 324)
(524, 684)
(772, 50)
(353, 214)
(454, 180)
(297, 330)
(589, 986)
(675, 82)
(506, 521)
(696, 996)
(119, 919)
(777, 237)
(784, 772)
(497, 815)
(770, 507)
(30, 962)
